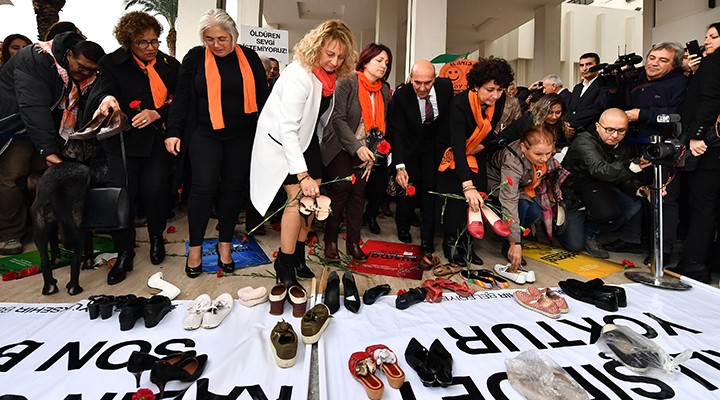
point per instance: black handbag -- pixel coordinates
(600, 202)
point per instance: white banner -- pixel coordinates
(483, 331)
(54, 351)
(266, 42)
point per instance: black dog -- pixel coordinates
(58, 207)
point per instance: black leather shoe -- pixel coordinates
(131, 312)
(427, 246)
(412, 296)
(157, 249)
(453, 254)
(285, 269)
(578, 290)
(404, 236)
(331, 252)
(332, 292)
(354, 250)
(694, 270)
(599, 284)
(372, 224)
(416, 356)
(351, 296)
(439, 362)
(123, 265)
(155, 309)
(228, 268)
(301, 268)
(192, 272)
(372, 294)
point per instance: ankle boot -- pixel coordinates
(157, 249)
(285, 269)
(123, 265)
(454, 255)
(301, 268)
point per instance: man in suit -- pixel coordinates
(585, 106)
(418, 113)
(553, 84)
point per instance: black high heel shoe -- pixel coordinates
(439, 362)
(95, 303)
(188, 370)
(332, 292)
(228, 268)
(192, 272)
(155, 309)
(131, 312)
(351, 295)
(157, 249)
(416, 356)
(285, 269)
(139, 362)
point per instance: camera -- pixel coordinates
(619, 74)
(536, 91)
(666, 150)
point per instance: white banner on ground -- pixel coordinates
(483, 331)
(54, 351)
(266, 42)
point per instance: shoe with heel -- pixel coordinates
(228, 268)
(140, 362)
(187, 370)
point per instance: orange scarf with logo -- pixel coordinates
(213, 80)
(157, 86)
(538, 172)
(372, 118)
(481, 131)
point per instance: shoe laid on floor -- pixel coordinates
(559, 301)
(605, 299)
(439, 362)
(194, 315)
(518, 277)
(388, 362)
(351, 297)
(11, 247)
(166, 288)
(187, 370)
(277, 296)
(372, 294)
(331, 298)
(529, 274)
(629, 347)
(537, 303)
(362, 367)
(249, 296)
(411, 297)
(218, 311)
(314, 322)
(297, 296)
(283, 341)
(155, 309)
(595, 249)
(416, 356)
(140, 362)
(130, 312)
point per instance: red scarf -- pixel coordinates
(371, 118)
(328, 81)
(157, 86)
(213, 80)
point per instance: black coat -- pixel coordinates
(702, 101)
(122, 78)
(30, 91)
(585, 111)
(405, 129)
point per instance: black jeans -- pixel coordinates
(151, 177)
(220, 164)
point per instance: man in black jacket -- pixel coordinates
(418, 113)
(42, 93)
(585, 106)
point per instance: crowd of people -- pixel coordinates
(225, 125)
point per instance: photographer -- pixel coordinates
(700, 124)
(659, 89)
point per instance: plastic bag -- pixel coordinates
(637, 352)
(538, 377)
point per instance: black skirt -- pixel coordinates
(313, 161)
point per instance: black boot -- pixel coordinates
(371, 223)
(123, 265)
(285, 269)
(453, 253)
(301, 268)
(157, 249)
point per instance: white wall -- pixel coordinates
(682, 21)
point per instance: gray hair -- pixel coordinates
(554, 79)
(671, 46)
(266, 63)
(217, 17)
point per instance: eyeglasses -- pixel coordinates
(144, 44)
(613, 131)
(220, 40)
(86, 70)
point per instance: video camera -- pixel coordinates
(619, 74)
(666, 150)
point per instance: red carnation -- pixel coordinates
(483, 195)
(171, 229)
(244, 239)
(220, 272)
(311, 252)
(143, 394)
(165, 240)
(344, 235)
(526, 232)
(352, 179)
(135, 105)
(384, 147)
(9, 276)
(628, 264)
(276, 226)
(275, 254)
(510, 221)
(312, 240)
(410, 191)
(360, 242)
(509, 180)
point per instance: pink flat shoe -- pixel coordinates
(541, 304)
(552, 295)
(475, 224)
(496, 223)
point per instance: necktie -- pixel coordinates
(429, 114)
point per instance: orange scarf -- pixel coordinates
(328, 81)
(70, 100)
(538, 172)
(157, 86)
(213, 80)
(481, 131)
(371, 118)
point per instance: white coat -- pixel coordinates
(285, 127)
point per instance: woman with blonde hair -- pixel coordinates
(286, 152)
(548, 112)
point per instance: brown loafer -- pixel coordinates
(354, 250)
(331, 252)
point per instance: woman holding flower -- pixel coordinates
(286, 151)
(221, 90)
(351, 143)
(139, 80)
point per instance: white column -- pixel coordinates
(189, 13)
(427, 30)
(386, 32)
(547, 38)
(249, 12)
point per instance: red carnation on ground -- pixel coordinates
(410, 191)
(220, 272)
(143, 394)
(276, 227)
(627, 263)
(9, 276)
(171, 229)
(360, 242)
(275, 254)
(135, 105)
(509, 180)
(244, 239)
(312, 240)
(311, 252)
(384, 147)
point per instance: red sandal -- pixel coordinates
(434, 292)
(362, 368)
(461, 289)
(388, 362)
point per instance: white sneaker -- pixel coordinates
(197, 310)
(504, 271)
(156, 281)
(217, 312)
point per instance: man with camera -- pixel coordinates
(601, 192)
(584, 106)
(659, 89)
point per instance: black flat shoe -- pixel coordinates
(123, 265)
(139, 362)
(192, 272)
(372, 294)
(228, 268)
(332, 292)
(578, 290)
(157, 249)
(416, 356)
(155, 309)
(351, 296)
(131, 312)
(187, 370)
(411, 297)
(439, 362)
